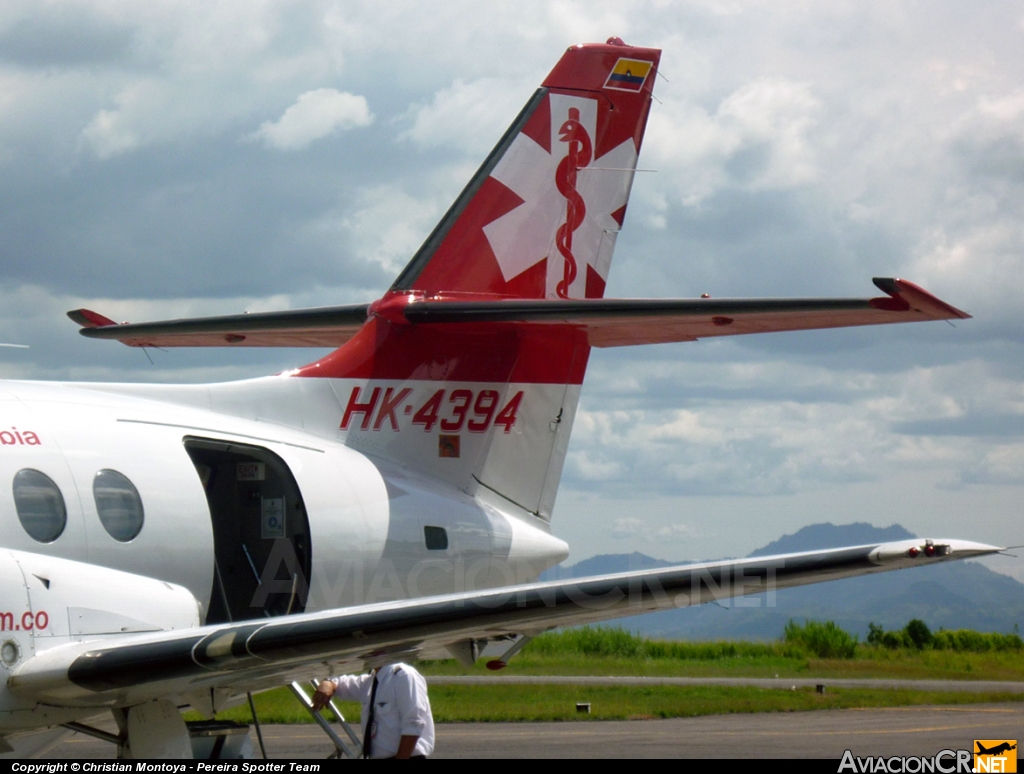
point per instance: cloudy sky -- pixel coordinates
(166, 159)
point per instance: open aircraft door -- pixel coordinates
(260, 531)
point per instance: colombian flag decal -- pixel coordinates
(629, 74)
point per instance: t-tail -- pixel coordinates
(491, 404)
(469, 368)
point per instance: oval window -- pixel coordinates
(118, 504)
(40, 505)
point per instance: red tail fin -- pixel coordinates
(540, 217)
(489, 407)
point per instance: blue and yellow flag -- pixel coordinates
(628, 74)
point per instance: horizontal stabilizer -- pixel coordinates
(609, 322)
(328, 326)
(87, 318)
(614, 322)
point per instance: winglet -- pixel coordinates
(908, 553)
(905, 295)
(90, 319)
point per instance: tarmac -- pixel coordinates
(901, 731)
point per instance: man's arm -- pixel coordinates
(412, 709)
(344, 687)
(323, 694)
(406, 746)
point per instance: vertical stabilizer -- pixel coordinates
(492, 404)
(539, 218)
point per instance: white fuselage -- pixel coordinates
(358, 527)
(254, 503)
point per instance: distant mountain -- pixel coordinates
(818, 536)
(605, 564)
(950, 596)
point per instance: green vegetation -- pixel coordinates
(824, 640)
(618, 643)
(613, 651)
(916, 634)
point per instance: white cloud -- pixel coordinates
(179, 71)
(108, 136)
(35, 316)
(595, 466)
(468, 115)
(648, 533)
(388, 226)
(684, 426)
(315, 115)
(628, 527)
(757, 139)
(1006, 109)
(590, 21)
(674, 532)
(822, 427)
(1003, 464)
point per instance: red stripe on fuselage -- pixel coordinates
(475, 352)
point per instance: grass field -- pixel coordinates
(882, 664)
(601, 651)
(614, 652)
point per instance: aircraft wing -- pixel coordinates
(609, 322)
(252, 655)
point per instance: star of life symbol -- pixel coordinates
(568, 200)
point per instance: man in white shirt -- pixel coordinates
(396, 718)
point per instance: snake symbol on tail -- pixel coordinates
(580, 151)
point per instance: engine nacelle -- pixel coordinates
(46, 602)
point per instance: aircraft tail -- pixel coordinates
(469, 368)
(539, 218)
(491, 404)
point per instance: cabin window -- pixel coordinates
(436, 538)
(118, 504)
(40, 505)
